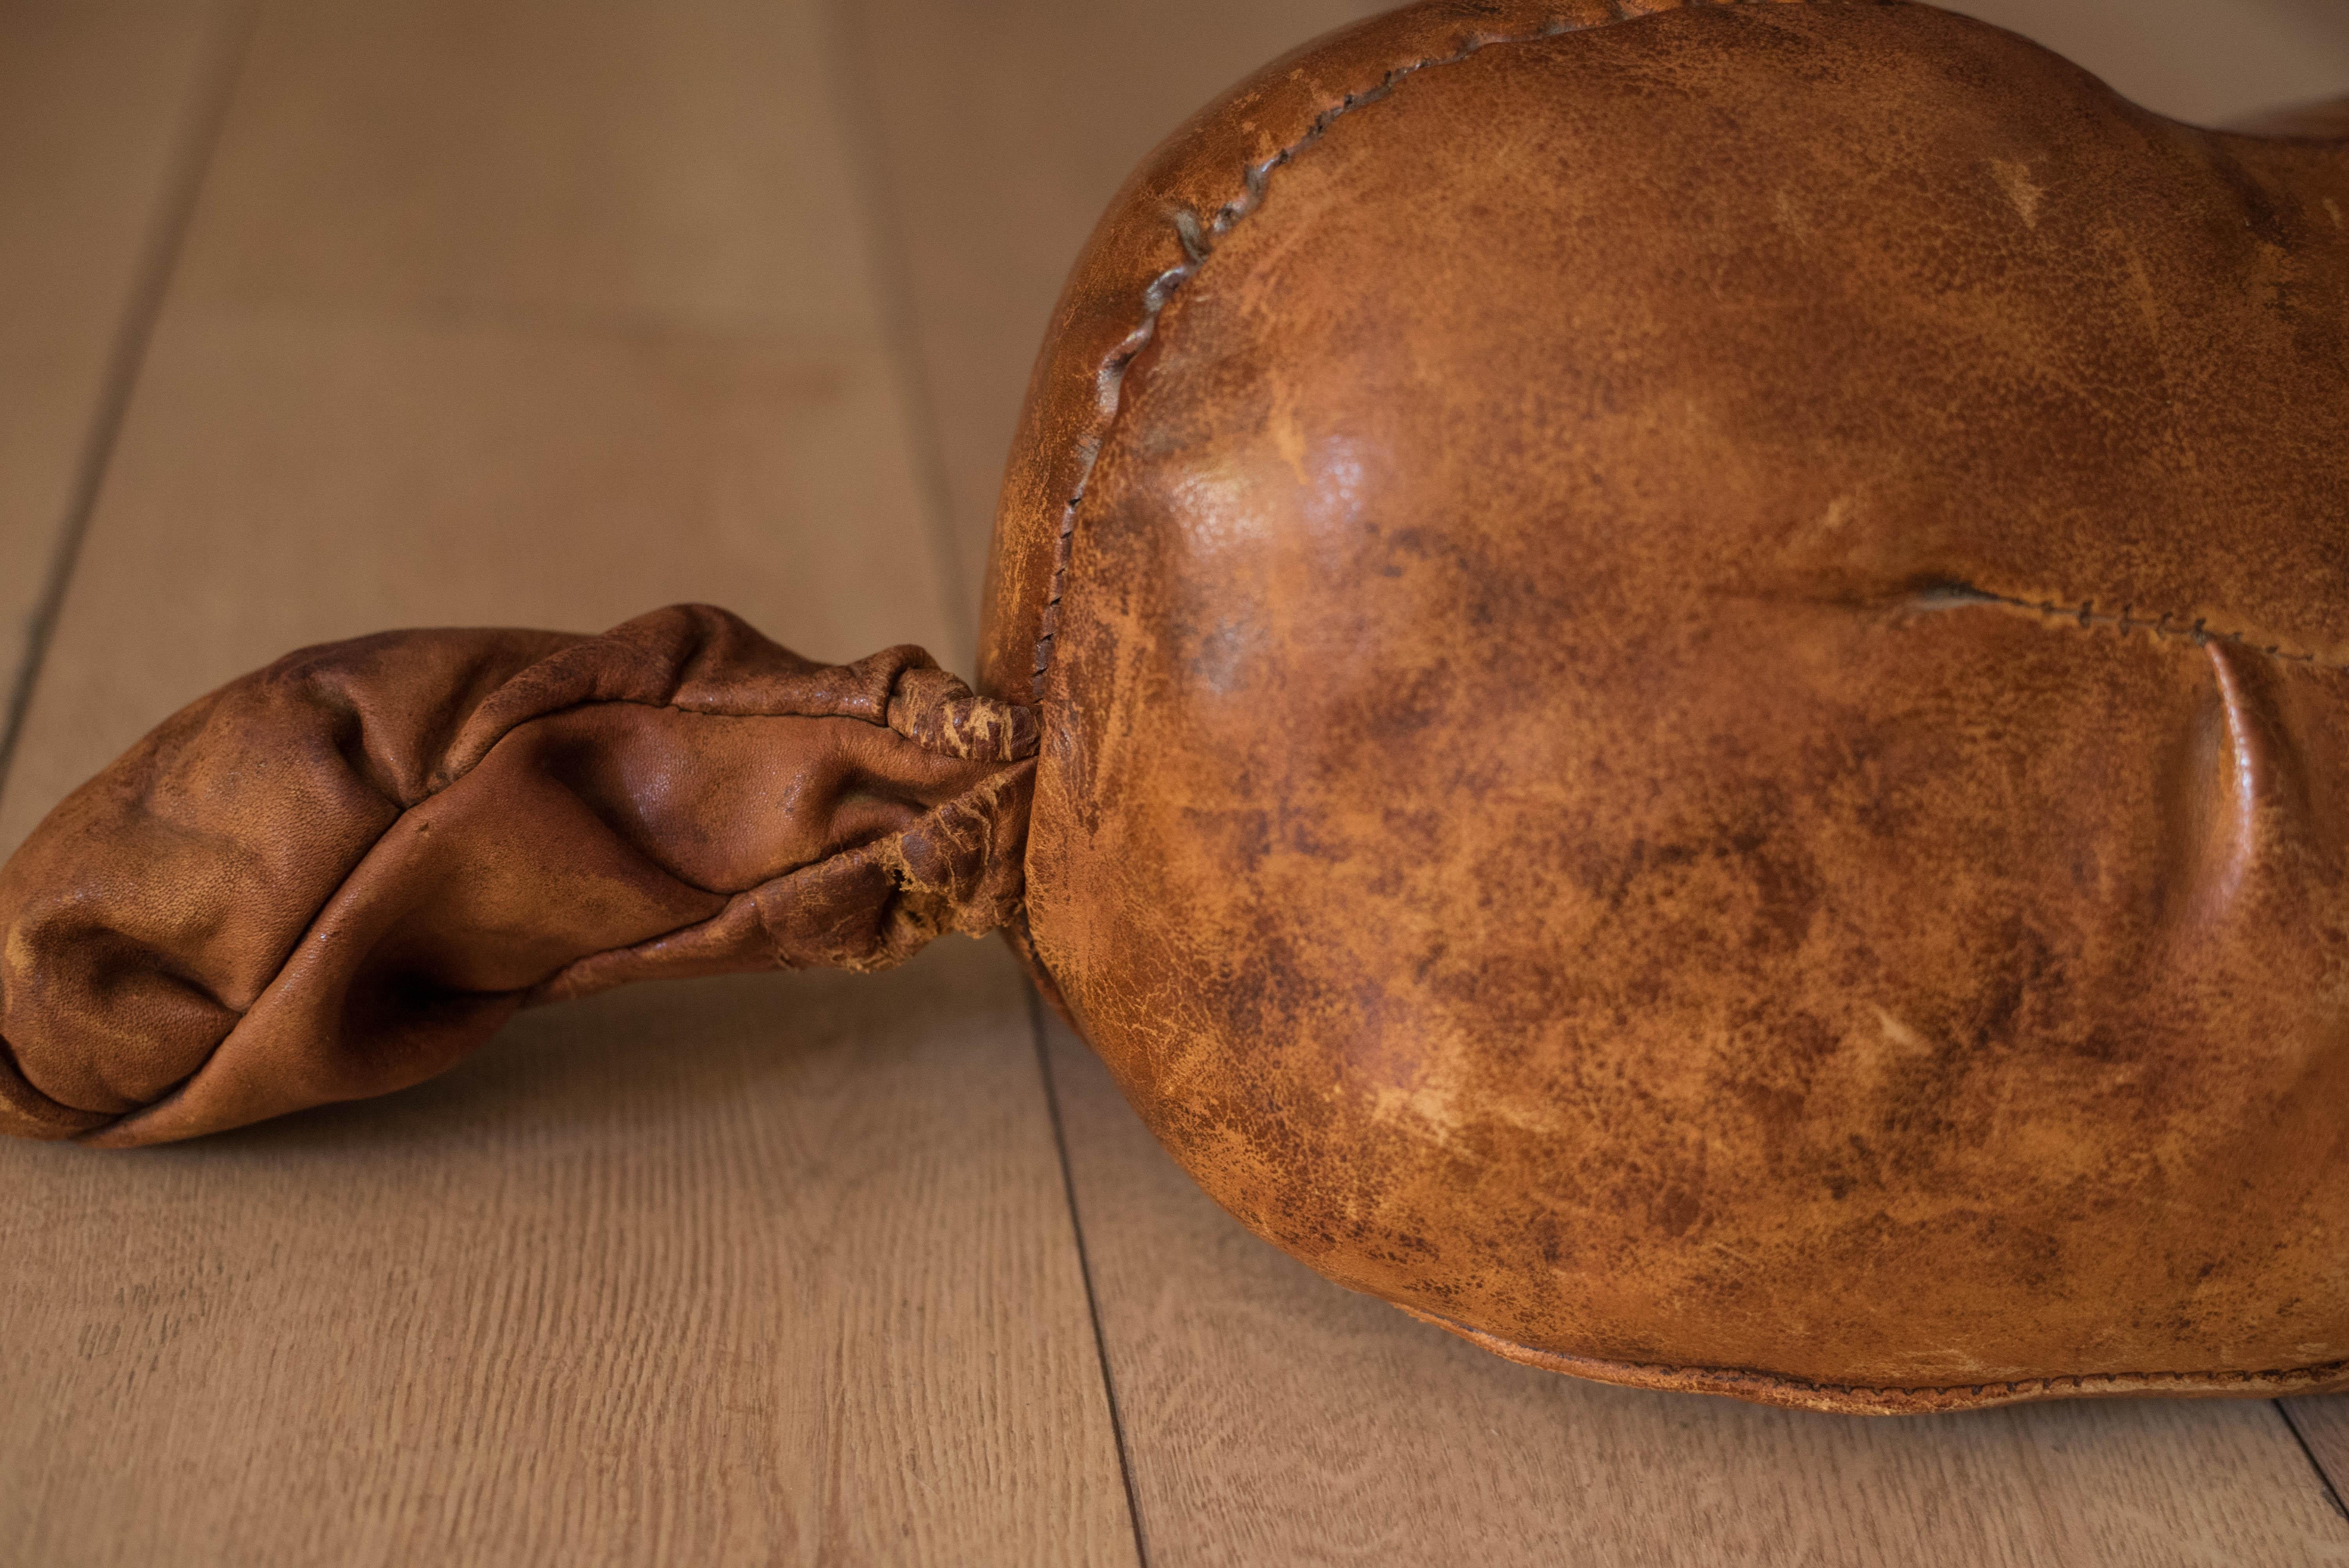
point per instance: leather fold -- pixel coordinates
(341, 874)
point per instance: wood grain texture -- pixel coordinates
(526, 313)
(546, 315)
(99, 101)
(1271, 1417)
(766, 1270)
(290, 478)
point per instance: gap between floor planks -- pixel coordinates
(388, 1329)
(89, 278)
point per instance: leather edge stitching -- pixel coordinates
(2057, 1384)
(2198, 631)
(1198, 240)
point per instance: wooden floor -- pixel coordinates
(322, 317)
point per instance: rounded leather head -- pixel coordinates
(1694, 709)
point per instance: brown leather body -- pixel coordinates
(1693, 710)
(1682, 681)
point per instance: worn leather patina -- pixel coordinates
(1692, 714)
(341, 874)
(1682, 679)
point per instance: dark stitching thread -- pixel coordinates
(1198, 240)
(2078, 1382)
(2074, 1382)
(2196, 632)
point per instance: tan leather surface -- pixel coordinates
(1694, 716)
(338, 876)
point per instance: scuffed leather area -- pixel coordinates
(1210, 172)
(1693, 719)
(341, 874)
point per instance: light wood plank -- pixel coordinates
(448, 346)
(999, 134)
(2323, 1424)
(98, 103)
(546, 313)
(1271, 1416)
(767, 1269)
(290, 477)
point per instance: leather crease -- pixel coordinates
(343, 873)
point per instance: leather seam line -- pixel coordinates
(2080, 1381)
(2196, 632)
(1198, 242)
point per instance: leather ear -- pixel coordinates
(341, 874)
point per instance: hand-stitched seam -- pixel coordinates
(1198, 242)
(2082, 1381)
(2197, 631)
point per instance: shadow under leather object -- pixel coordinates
(1660, 678)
